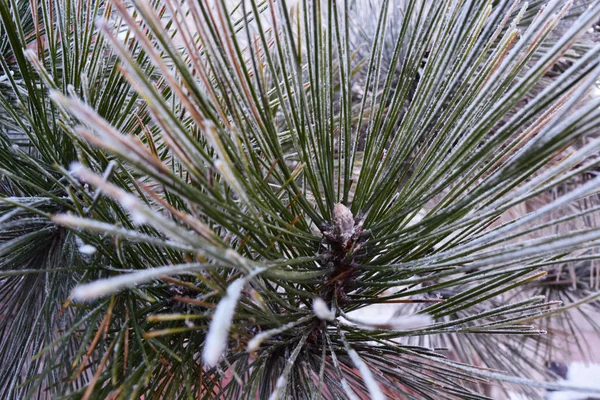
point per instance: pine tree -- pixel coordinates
(209, 200)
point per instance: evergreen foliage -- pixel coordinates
(210, 200)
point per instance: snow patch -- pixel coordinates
(218, 333)
(87, 249)
(322, 311)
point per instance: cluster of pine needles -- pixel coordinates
(311, 199)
